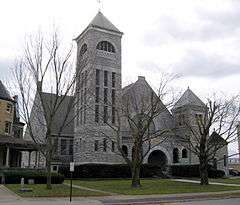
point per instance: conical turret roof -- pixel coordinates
(4, 94)
(188, 98)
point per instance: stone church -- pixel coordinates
(99, 60)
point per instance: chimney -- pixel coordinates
(141, 78)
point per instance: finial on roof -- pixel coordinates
(100, 4)
(188, 88)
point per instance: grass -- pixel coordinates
(227, 181)
(150, 186)
(58, 190)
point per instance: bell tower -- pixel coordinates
(98, 88)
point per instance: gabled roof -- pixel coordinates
(215, 138)
(101, 21)
(64, 116)
(4, 94)
(140, 91)
(188, 98)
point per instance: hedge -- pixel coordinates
(193, 171)
(39, 176)
(111, 171)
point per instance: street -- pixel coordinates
(233, 201)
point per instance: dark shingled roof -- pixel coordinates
(4, 94)
(215, 138)
(100, 21)
(61, 114)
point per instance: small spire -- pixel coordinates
(188, 88)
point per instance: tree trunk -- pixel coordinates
(203, 169)
(136, 176)
(48, 162)
(48, 169)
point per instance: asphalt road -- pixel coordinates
(233, 201)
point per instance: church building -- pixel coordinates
(99, 88)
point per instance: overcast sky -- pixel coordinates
(198, 40)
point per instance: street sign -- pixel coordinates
(71, 166)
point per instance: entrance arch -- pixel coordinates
(158, 157)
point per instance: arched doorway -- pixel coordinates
(158, 157)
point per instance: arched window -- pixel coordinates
(83, 49)
(125, 150)
(106, 46)
(175, 155)
(184, 153)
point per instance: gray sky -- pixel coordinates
(197, 39)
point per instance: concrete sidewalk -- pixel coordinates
(197, 182)
(7, 195)
(168, 198)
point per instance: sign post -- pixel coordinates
(71, 171)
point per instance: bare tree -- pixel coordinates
(211, 131)
(133, 120)
(44, 65)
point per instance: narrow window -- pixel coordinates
(113, 146)
(125, 150)
(224, 160)
(175, 155)
(97, 76)
(184, 153)
(104, 145)
(8, 126)
(71, 147)
(84, 106)
(105, 114)
(105, 95)
(105, 78)
(113, 79)
(96, 113)
(9, 108)
(113, 96)
(113, 115)
(63, 146)
(96, 145)
(97, 95)
(55, 145)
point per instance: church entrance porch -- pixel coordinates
(158, 157)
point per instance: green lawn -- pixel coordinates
(150, 186)
(58, 190)
(227, 181)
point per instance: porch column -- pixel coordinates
(7, 157)
(29, 158)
